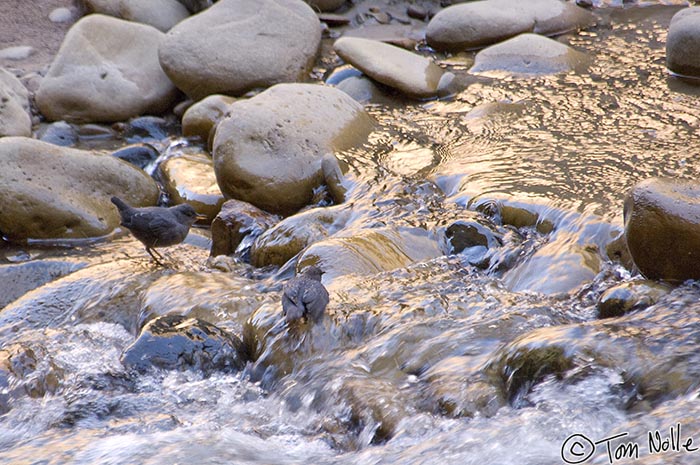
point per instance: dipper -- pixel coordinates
(157, 226)
(304, 296)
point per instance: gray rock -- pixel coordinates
(106, 70)
(51, 192)
(662, 228)
(683, 43)
(268, 151)
(14, 106)
(161, 14)
(257, 43)
(59, 133)
(528, 54)
(412, 74)
(325, 5)
(481, 23)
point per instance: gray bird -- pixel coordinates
(304, 296)
(157, 226)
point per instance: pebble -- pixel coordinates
(19, 52)
(60, 15)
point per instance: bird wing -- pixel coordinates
(315, 300)
(292, 308)
(160, 225)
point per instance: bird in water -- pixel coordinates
(157, 226)
(304, 296)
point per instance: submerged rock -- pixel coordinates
(51, 192)
(628, 297)
(59, 133)
(235, 222)
(14, 106)
(412, 74)
(201, 117)
(472, 239)
(481, 23)
(278, 245)
(139, 155)
(176, 342)
(257, 43)
(269, 150)
(190, 179)
(683, 43)
(528, 54)
(106, 70)
(662, 228)
(325, 5)
(18, 279)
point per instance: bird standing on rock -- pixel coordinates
(157, 226)
(304, 296)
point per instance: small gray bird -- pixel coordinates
(304, 296)
(157, 226)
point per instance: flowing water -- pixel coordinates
(444, 361)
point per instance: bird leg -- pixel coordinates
(153, 253)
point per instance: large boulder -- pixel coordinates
(161, 14)
(477, 24)
(106, 70)
(662, 228)
(239, 45)
(683, 43)
(269, 150)
(14, 107)
(52, 192)
(528, 54)
(412, 74)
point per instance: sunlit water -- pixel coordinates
(426, 364)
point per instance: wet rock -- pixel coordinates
(106, 70)
(110, 292)
(472, 239)
(146, 127)
(235, 222)
(176, 342)
(628, 297)
(558, 267)
(683, 43)
(528, 54)
(59, 133)
(18, 279)
(258, 43)
(334, 171)
(411, 74)
(370, 251)
(14, 106)
(161, 14)
(325, 5)
(219, 298)
(195, 6)
(278, 245)
(662, 228)
(201, 117)
(481, 23)
(137, 154)
(26, 370)
(268, 151)
(51, 192)
(190, 179)
(333, 20)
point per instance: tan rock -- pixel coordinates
(268, 151)
(236, 221)
(106, 70)
(161, 14)
(257, 43)
(52, 192)
(201, 117)
(14, 107)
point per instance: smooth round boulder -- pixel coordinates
(477, 24)
(236, 221)
(201, 117)
(14, 106)
(411, 74)
(683, 43)
(190, 179)
(52, 192)
(106, 70)
(269, 150)
(176, 342)
(662, 228)
(528, 54)
(161, 14)
(238, 45)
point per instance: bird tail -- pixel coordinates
(121, 205)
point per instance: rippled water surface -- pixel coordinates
(444, 361)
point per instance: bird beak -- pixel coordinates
(201, 217)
